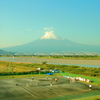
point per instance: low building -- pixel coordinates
(55, 70)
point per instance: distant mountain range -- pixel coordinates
(50, 43)
(2, 52)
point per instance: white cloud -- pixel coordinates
(29, 29)
(46, 28)
(50, 28)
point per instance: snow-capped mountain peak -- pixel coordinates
(50, 35)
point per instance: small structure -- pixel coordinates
(39, 68)
(55, 70)
(49, 74)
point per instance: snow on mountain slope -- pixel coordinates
(50, 35)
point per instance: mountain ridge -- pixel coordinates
(51, 43)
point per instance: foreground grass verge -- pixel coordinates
(94, 96)
(90, 98)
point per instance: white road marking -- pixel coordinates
(27, 92)
(27, 89)
(32, 91)
(7, 89)
(50, 89)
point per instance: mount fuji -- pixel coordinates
(50, 43)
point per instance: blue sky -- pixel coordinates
(23, 21)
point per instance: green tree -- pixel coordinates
(44, 62)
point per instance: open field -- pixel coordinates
(39, 88)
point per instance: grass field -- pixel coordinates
(94, 79)
(40, 88)
(62, 90)
(26, 76)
